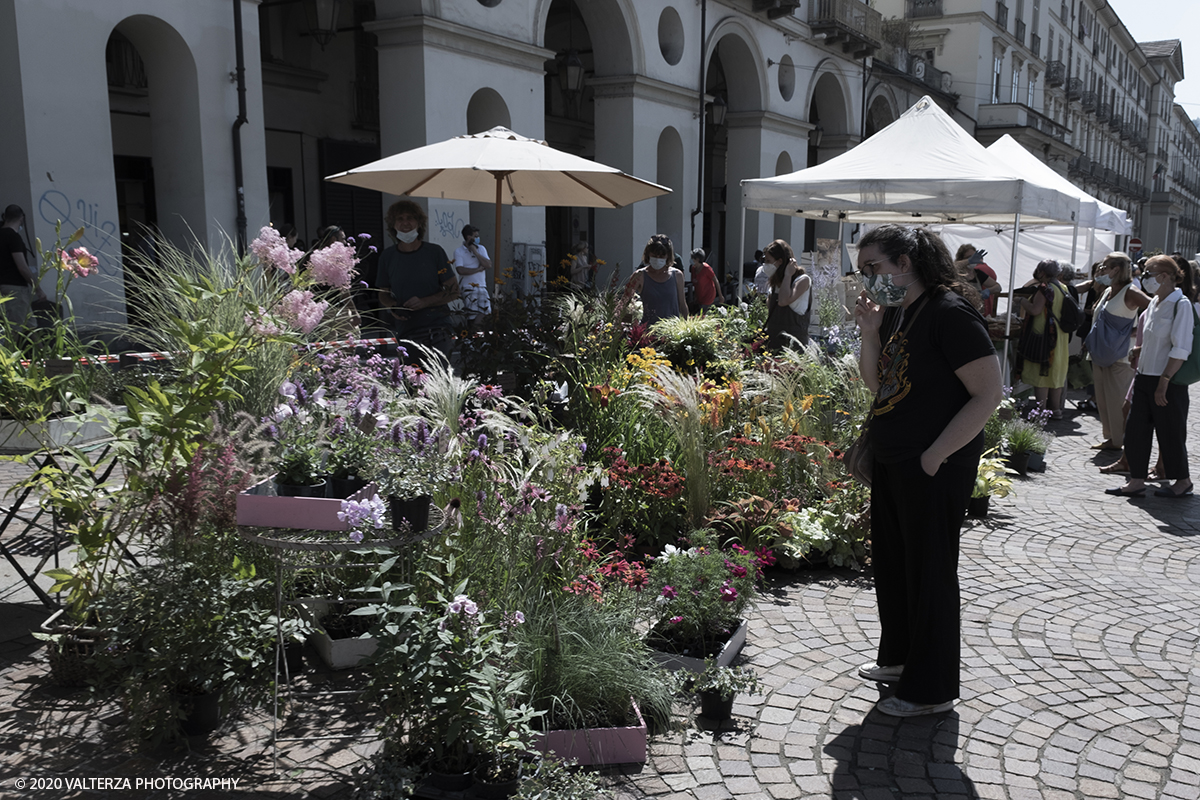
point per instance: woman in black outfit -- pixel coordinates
(942, 384)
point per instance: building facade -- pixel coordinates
(1067, 80)
(693, 95)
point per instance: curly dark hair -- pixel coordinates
(406, 207)
(927, 252)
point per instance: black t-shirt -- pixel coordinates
(10, 242)
(420, 273)
(924, 394)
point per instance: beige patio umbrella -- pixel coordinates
(502, 167)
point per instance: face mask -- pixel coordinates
(769, 268)
(1104, 280)
(409, 237)
(1150, 284)
(657, 263)
(883, 291)
(475, 240)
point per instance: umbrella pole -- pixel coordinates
(496, 251)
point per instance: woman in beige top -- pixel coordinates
(1122, 301)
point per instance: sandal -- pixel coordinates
(1118, 466)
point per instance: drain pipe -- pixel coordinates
(240, 78)
(700, 144)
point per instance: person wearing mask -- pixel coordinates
(17, 279)
(927, 355)
(1045, 370)
(659, 284)
(1158, 406)
(471, 262)
(708, 291)
(1108, 343)
(789, 304)
(762, 274)
(415, 280)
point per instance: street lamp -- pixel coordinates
(716, 112)
(570, 75)
(322, 19)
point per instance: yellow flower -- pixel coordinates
(807, 402)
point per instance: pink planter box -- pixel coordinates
(591, 746)
(261, 507)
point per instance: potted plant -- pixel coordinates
(408, 477)
(300, 467)
(718, 686)
(186, 642)
(992, 478)
(351, 450)
(701, 594)
(1021, 438)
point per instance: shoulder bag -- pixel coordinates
(1189, 372)
(1108, 340)
(859, 458)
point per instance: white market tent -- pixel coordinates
(923, 168)
(1078, 244)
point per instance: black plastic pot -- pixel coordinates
(293, 490)
(977, 507)
(201, 712)
(341, 488)
(410, 513)
(1019, 462)
(715, 707)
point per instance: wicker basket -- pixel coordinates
(70, 650)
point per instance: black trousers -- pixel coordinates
(1168, 423)
(915, 525)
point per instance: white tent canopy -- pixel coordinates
(1036, 244)
(922, 168)
(1093, 213)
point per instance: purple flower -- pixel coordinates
(728, 593)
(669, 592)
(482, 441)
(676, 620)
(583, 448)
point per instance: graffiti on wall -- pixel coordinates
(447, 224)
(99, 236)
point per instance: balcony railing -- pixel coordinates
(1035, 45)
(1103, 112)
(1074, 88)
(1056, 73)
(1001, 15)
(917, 9)
(1018, 115)
(1019, 32)
(1088, 99)
(852, 22)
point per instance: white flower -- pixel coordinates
(287, 389)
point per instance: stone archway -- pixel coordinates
(158, 161)
(486, 110)
(880, 114)
(669, 212)
(733, 151)
(783, 222)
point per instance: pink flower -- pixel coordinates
(737, 570)
(676, 620)
(271, 248)
(669, 592)
(728, 593)
(263, 324)
(333, 265)
(300, 309)
(78, 261)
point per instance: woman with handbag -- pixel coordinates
(927, 354)
(1159, 406)
(1108, 344)
(1044, 344)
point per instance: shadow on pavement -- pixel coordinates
(907, 757)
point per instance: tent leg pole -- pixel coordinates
(1075, 244)
(1012, 278)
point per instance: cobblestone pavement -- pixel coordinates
(1080, 678)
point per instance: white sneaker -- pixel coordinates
(874, 672)
(895, 707)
